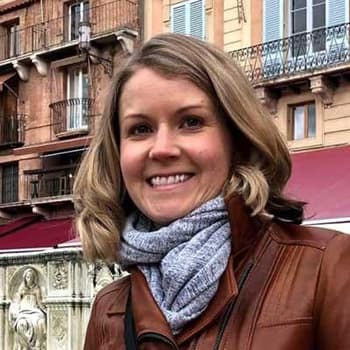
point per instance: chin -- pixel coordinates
(165, 218)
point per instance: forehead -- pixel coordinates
(147, 87)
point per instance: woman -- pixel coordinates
(27, 315)
(183, 184)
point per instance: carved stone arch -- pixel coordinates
(15, 279)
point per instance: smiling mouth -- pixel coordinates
(155, 181)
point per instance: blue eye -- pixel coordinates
(192, 122)
(140, 129)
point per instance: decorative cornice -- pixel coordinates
(41, 66)
(323, 88)
(22, 70)
(43, 256)
(267, 98)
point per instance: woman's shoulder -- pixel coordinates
(308, 236)
(113, 294)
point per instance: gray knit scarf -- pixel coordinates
(183, 261)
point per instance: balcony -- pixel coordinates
(49, 183)
(298, 55)
(72, 117)
(63, 31)
(12, 130)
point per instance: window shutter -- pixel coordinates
(197, 19)
(273, 21)
(336, 12)
(10, 183)
(178, 19)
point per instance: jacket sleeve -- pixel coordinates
(332, 302)
(91, 336)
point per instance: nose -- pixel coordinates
(164, 145)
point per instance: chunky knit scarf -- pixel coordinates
(183, 261)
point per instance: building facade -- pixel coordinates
(56, 63)
(296, 54)
(300, 71)
(51, 93)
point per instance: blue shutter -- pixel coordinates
(272, 30)
(336, 12)
(337, 42)
(197, 19)
(178, 19)
(273, 21)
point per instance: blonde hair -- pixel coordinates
(262, 164)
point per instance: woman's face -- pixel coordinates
(175, 151)
(29, 277)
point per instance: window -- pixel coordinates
(188, 18)
(77, 12)
(9, 183)
(10, 39)
(302, 121)
(11, 123)
(77, 98)
(308, 16)
(283, 18)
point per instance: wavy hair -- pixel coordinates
(261, 161)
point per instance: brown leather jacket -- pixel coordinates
(286, 287)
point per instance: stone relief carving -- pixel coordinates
(104, 274)
(10, 272)
(27, 313)
(60, 280)
(60, 327)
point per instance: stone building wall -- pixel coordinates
(45, 298)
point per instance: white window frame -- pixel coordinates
(305, 121)
(75, 117)
(187, 4)
(309, 19)
(13, 42)
(81, 4)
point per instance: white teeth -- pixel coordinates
(168, 180)
(171, 180)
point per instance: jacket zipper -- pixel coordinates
(231, 306)
(157, 336)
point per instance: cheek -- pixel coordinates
(128, 163)
(218, 154)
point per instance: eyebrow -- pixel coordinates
(178, 111)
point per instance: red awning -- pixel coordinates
(35, 232)
(322, 179)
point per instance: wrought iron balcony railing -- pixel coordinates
(57, 181)
(12, 130)
(56, 32)
(302, 53)
(71, 115)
